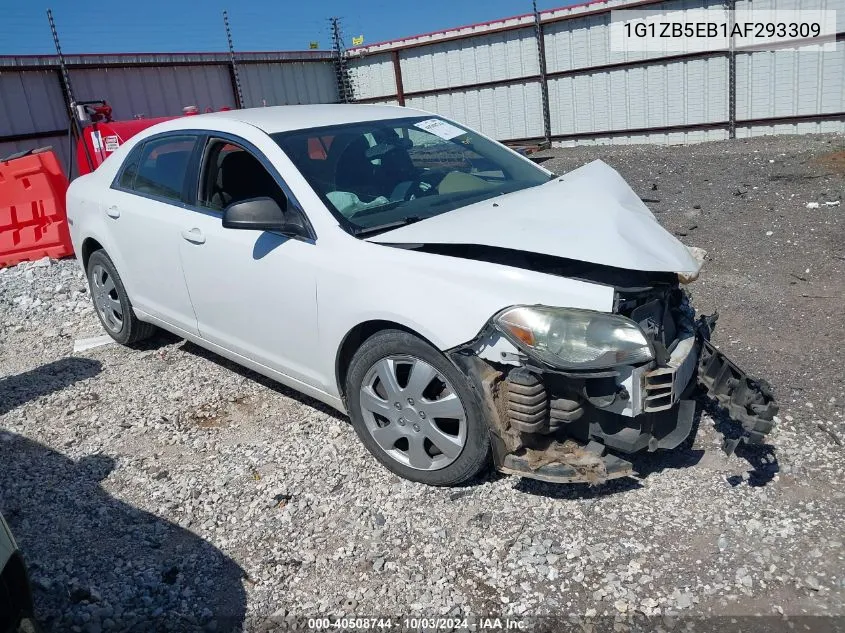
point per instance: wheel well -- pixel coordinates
(88, 247)
(15, 596)
(354, 339)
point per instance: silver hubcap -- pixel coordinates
(413, 413)
(106, 299)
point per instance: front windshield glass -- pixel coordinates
(376, 175)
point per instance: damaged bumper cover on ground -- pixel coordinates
(571, 426)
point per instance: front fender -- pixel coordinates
(444, 299)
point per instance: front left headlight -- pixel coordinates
(575, 339)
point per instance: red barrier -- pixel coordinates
(33, 219)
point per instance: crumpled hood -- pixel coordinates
(589, 214)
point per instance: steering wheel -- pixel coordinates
(380, 150)
(414, 190)
(432, 178)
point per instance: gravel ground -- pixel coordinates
(163, 488)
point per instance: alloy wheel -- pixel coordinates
(413, 413)
(106, 299)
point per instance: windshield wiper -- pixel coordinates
(366, 230)
(387, 206)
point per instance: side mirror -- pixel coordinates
(264, 214)
(256, 214)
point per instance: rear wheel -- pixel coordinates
(415, 412)
(112, 303)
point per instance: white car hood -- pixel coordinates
(589, 214)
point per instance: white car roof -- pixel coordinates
(297, 117)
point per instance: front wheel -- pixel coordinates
(415, 411)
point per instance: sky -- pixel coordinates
(86, 26)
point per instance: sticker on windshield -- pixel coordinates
(440, 128)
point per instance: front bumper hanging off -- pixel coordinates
(564, 440)
(748, 401)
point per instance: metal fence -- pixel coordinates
(489, 76)
(34, 109)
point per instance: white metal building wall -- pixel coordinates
(650, 95)
(791, 83)
(502, 112)
(685, 92)
(501, 56)
(372, 76)
(590, 101)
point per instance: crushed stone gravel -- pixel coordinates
(164, 488)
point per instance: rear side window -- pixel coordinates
(130, 169)
(159, 167)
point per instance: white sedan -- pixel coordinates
(458, 301)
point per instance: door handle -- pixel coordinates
(113, 212)
(194, 235)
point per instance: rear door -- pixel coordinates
(254, 292)
(146, 212)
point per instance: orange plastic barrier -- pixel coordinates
(33, 219)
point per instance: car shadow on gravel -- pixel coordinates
(30, 385)
(99, 564)
(577, 491)
(762, 458)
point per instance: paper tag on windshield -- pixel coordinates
(440, 128)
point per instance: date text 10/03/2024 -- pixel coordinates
(449, 624)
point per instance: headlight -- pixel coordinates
(575, 339)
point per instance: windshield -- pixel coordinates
(376, 175)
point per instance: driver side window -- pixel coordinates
(232, 174)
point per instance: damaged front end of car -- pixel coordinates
(568, 391)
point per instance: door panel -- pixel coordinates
(147, 232)
(145, 213)
(254, 293)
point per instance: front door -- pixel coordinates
(254, 292)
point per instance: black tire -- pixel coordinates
(132, 329)
(475, 454)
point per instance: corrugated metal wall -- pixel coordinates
(155, 91)
(491, 81)
(372, 76)
(486, 76)
(432, 76)
(32, 105)
(497, 57)
(790, 83)
(654, 96)
(503, 112)
(30, 102)
(287, 84)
